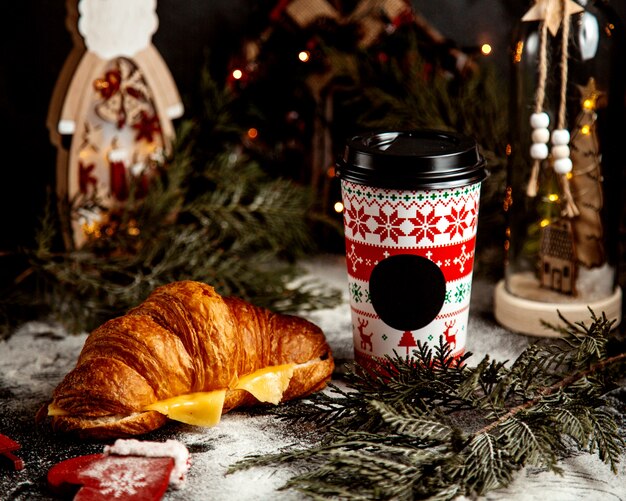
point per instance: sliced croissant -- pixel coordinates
(185, 338)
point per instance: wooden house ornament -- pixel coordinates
(558, 257)
(111, 112)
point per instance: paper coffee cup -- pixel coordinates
(410, 215)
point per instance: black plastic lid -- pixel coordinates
(412, 160)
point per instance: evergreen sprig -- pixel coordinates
(211, 215)
(436, 428)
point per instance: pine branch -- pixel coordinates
(559, 386)
(394, 434)
(211, 215)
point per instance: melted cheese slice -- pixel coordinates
(268, 384)
(205, 408)
(53, 410)
(199, 409)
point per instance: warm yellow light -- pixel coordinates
(519, 49)
(485, 49)
(588, 104)
(544, 223)
(338, 207)
(253, 133)
(237, 74)
(91, 230)
(585, 129)
(133, 231)
(569, 175)
(304, 56)
(553, 197)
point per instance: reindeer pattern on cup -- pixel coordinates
(366, 339)
(449, 335)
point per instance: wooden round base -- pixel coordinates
(525, 316)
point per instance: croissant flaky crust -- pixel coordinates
(184, 338)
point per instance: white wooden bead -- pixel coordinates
(539, 151)
(539, 120)
(541, 135)
(560, 136)
(560, 151)
(562, 166)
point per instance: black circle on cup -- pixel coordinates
(407, 291)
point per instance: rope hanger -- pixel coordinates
(539, 119)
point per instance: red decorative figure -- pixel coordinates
(7, 446)
(147, 126)
(366, 339)
(118, 175)
(407, 340)
(450, 336)
(86, 178)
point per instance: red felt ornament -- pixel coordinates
(101, 477)
(7, 447)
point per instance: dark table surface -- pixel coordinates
(38, 354)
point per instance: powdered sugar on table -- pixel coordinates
(36, 357)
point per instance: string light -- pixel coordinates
(330, 172)
(304, 56)
(237, 74)
(588, 104)
(253, 133)
(519, 49)
(553, 197)
(608, 29)
(91, 230)
(338, 207)
(544, 223)
(133, 230)
(485, 49)
(585, 129)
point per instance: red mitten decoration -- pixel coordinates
(101, 477)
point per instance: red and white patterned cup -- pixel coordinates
(410, 215)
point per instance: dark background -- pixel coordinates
(35, 43)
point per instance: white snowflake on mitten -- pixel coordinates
(121, 483)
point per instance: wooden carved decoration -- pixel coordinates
(111, 113)
(586, 179)
(558, 257)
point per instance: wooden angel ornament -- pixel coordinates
(111, 113)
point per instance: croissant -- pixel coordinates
(183, 339)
